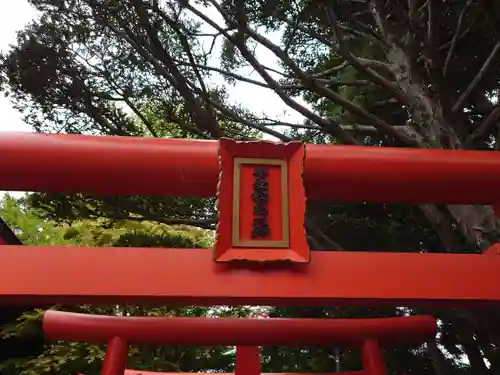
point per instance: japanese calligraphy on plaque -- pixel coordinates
(261, 202)
(260, 198)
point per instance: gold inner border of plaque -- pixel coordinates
(285, 242)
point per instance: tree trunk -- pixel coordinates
(438, 360)
(476, 223)
(474, 355)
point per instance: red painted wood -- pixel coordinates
(493, 250)
(247, 360)
(189, 276)
(140, 372)
(115, 360)
(373, 361)
(180, 331)
(293, 155)
(128, 165)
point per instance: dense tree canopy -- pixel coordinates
(415, 73)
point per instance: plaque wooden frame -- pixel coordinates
(287, 211)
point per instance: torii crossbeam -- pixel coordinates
(127, 165)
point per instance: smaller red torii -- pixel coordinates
(245, 333)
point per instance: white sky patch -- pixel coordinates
(256, 99)
(13, 18)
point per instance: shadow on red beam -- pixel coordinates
(182, 331)
(139, 372)
(30, 274)
(145, 166)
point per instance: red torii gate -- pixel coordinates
(245, 334)
(261, 202)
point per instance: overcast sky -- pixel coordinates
(259, 100)
(12, 18)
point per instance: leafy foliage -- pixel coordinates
(362, 72)
(24, 332)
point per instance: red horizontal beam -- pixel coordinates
(139, 372)
(180, 331)
(145, 166)
(189, 276)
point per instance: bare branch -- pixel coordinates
(438, 359)
(370, 32)
(410, 35)
(321, 236)
(327, 82)
(371, 128)
(184, 85)
(490, 11)
(328, 71)
(332, 83)
(293, 126)
(348, 56)
(172, 117)
(224, 73)
(456, 37)
(148, 216)
(462, 35)
(309, 33)
(430, 23)
(235, 117)
(383, 127)
(203, 224)
(133, 212)
(295, 27)
(138, 113)
(185, 44)
(201, 118)
(328, 125)
(375, 64)
(441, 224)
(482, 72)
(116, 88)
(483, 128)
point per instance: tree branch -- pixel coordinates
(410, 35)
(202, 224)
(482, 72)
(383, 127)
(437, 358)
(320, 236)
(483, 128)
(233, 115)
(327, 82)
(441, 224)
(348, 56)
(329, 126)
(456, 37)
(202, 119)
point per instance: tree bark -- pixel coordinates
(474, 355)
(438, 360)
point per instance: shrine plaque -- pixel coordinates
(261, 202)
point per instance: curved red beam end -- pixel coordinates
(180, 331)
(180, 167)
